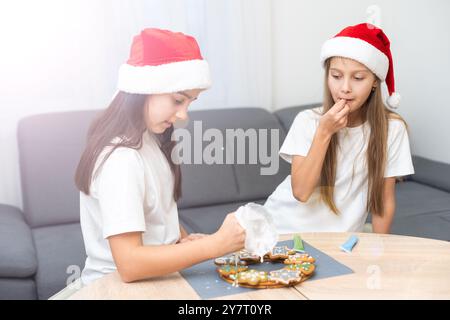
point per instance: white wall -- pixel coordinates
(420, 43)
(64, 55)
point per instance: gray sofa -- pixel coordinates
(41, 246)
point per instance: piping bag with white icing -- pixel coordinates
(261, 235)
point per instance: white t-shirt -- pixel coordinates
(351, 185)
(133, 191)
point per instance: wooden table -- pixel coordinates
(385, 267)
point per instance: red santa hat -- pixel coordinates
(163, 61)
(368, 45)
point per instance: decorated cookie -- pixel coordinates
(285, 276)
(227, 270)
(280, 253)
(296, 267)
(305, 268)
(249, 258)
(229, 260)
(299, 258)
(251, 277)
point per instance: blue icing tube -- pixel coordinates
(348, 245)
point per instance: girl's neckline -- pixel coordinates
(356, 128)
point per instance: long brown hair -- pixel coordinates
(124, 118)
(377, 115)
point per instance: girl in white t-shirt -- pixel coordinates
(128, 181)
(345, 156)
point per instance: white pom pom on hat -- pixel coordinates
(368, 45)
(394, 100)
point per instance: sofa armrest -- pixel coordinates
(17, 252)
(433, 173)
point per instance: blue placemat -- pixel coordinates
(205, 280)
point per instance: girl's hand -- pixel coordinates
(192, 237)
(334, 119)
(230, 237)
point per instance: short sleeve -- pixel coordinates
(120, 188)
(299, 138)
(399, 161)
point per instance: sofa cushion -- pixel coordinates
(432, 173)
(58, 248)
(17, 289)
(413, 199)
(208, 219)
(422, 211)
(257, 181)
(415, 204)
(204, 184)
(17, 253)
(434, 225)
(287, 115)
(50, 147)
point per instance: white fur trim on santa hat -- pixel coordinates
(358, 50)
(165, 78)
(394, 100)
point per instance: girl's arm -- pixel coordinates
(185, 236)
(382, 224)
(136, 261)
(305, 171)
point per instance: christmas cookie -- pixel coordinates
(229, 260)
(305, 268)
(251, 277)
(249, 258)
(280, 253)
(299, 258)
(288, 267)
(285, 276)
(227, 270)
